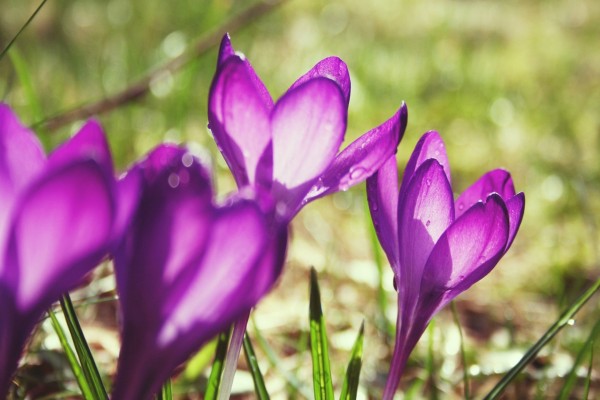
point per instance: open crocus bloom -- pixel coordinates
(60, 215)
(436, 246)
(187, 269)
(290, 147)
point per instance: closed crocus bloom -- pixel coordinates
(187, 269)
(437, 247)
(290, 147)
(59, 217)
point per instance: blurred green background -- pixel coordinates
(512, 84)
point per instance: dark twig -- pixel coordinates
(140, 88)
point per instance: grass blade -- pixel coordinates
(318, 344)
(25, 25)
(572, 376)
(463, 356)
(350, 386)
(275, 362)
(88, 364)
(562, 321)
(71, 357)
(588, 380)
(214, 380)
(257, 377)
(165, 392)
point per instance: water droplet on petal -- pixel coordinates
(187, 160)
(428, 223)
(357, 173)
(428, 182)
(173, 180)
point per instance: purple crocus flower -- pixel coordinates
(187, 269)
(60, 215)
(290, 147)
(437, 247)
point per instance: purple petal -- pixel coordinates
(21, 158)
(516, 208)
(239, 120)
(466, 252)
(308, 125)
(496, 181)
(170, 224)
(332, 68)
(127, 195)
(21, 154)
(214, 266)
(429, 146)
(362, 157)
(382, 194)
(61, 231)
(89, 143)
(225, 50)
(425, 211)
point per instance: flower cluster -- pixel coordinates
(186, 267)
(437, 247)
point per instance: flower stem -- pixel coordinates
(563, 321)
(399, 359)
(233, 354)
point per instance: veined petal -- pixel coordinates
(516, 207)
(362, 157)
(429, 146)
(89, 143)
(226, 51)
(382, 194)
(496, 181)
(308, 125)
(239, 120)
(425, 211)
(61, 230)
(332, 68)
(466, 252)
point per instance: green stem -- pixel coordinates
(546, 337)
(233, 355)
(83, 350)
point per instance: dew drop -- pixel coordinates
(428, 223)
(428, 182)
(173, 180)
(461, 206)
(357, 173)
(374, 206)
(571, 322)
(187, 160)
